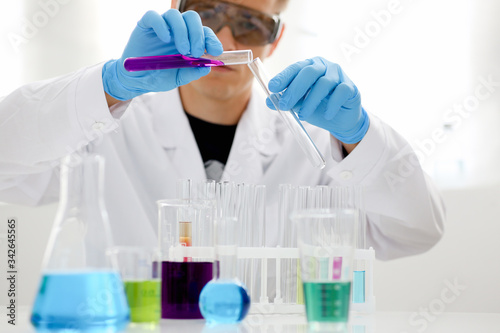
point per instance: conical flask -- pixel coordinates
(80, 288)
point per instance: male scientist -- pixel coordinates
(155, 127)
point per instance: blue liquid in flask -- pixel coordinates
(224, 302)
(84, 301)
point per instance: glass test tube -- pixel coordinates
(352, 197)
(225, 199)
(289, 117)
(259, 266)
(170, 61)
(286, 287)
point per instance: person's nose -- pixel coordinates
(227, 39)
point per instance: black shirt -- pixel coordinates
(214, 142)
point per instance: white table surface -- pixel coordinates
(380, 322)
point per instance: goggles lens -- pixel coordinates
(248, 26)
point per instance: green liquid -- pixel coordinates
(327, 301)
(300, 291)
(144, 300)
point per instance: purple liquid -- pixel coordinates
(167, 62)
(182, 283)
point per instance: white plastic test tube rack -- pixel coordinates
(263, 304)
(255, 258)
(277, 305)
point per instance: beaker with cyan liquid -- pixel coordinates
(80, 288)
(186, 245)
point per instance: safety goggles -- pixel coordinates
(248, 26)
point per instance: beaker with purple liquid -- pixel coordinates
(186, 245)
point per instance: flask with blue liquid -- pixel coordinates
(224, 300)
(80, 287)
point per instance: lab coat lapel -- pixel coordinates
(174, 132)
(255, 143)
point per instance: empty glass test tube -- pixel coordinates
(289, 117)
(170, 61)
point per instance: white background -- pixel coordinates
(427, 57)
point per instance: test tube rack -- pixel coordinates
(248, 202)
(278, 305)
(264, 304)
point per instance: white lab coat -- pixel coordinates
(148, 145)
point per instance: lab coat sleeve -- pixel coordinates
(44, 121)
(405, 212)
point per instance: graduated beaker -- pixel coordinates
(326, 240)
(141, 272)
(186, 245)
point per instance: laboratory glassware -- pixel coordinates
(324, 236)
(227, 58)
(186, 245)
(302, 201)
(140, 272)
(352, 197)
(80, 287)
(225, 300)
(286, 291)
(257, 229)
(289, 117)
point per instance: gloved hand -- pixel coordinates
(322, 95)
(155, 34)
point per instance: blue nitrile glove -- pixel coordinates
(155, 34)
(322, 95)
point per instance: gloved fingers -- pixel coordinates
(272, 100)
(321, 89)
(301, 84)
(179, 29)
(342, 93)
(283, 79)
(270, 104)
(212, 43)
(195, 32)
(355, 99)
(153, 20)
(186, 75)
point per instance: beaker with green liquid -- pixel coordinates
(140, 270)
(326, 241)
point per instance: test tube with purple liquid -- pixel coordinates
(170, 61)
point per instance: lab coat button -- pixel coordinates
(346, 175)
(97, 125)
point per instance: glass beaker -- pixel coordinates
(140, 271)
(225, 300)
(186, 245)
(80, 287)
(326, 241)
